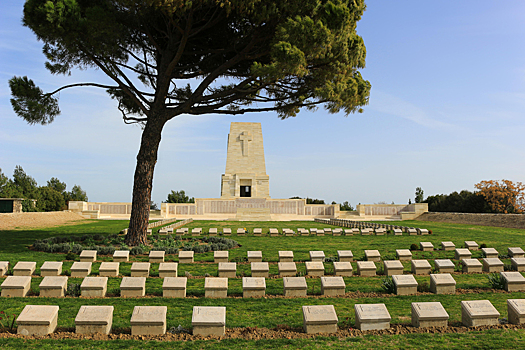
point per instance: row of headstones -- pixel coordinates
(372, 225)
(255, 286)
(163, 222)
(343, 267)
(172, 287)
(39, 320)
(286, 231)
(261, 269)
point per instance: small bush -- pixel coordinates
(414, 246)
(331, 259)
(70, 256)
(496, 281)
(423, 287)
(482, 245)
(387, 284)
(73, 289)
(137, 250)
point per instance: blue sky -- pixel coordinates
(446, 111)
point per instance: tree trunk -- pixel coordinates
(143, 181)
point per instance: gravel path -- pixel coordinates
(14, 221)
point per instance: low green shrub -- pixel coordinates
(387, 284)
(496, 280)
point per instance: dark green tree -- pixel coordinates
(346, 206)
(420, 197)
(49, 199)
(179, 197)
(56, 184)
(76, 194)
(168, 58)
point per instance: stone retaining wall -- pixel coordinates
(496, 220)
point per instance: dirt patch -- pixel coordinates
(14, 221)
(255, 333)
(495, 220)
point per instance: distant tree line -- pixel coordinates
(51, 197)
(493, 196)
(345, 206)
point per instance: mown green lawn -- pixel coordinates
(274, 310)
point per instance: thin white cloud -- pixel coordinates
(389, 104)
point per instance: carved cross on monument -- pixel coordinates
(245, 137)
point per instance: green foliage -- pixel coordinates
(346, 206)
(496, 280)
(73, 290)
(28, 205)
(419, 195)
(77, 194)
(414, 246)
(387, 285)
(463, 202)
(52, 197)
(179, 197)
(30, 103)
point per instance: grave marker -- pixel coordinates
(343, 268)
(215, 287)
(209, 320)
(254, 256)
(429, 314)
(492, 265)
(121, 256)
(294, 286)
(404, 254)
(285, 256)
(514, 281)
(476, 313)
(88, 256)
(227, 270)
(371, 317)
(314, 268)
(332, 286)
(24, 268)
(220, 256)
(448, 245)
(51, 268)
(108, 269)
(260, 269)
(287, 269)
(345, 255)
(94, 287)
(174, 287)
(319, 319)
(516, 311)
(471, 266)
(80, 269)
(16, 286)
(405, 284)
(442, 283)
(37, 320)
(393, 267)
(366, 268)
(94, 319)
(372, 255)
(421, 267)
(53, 286)
(148, 320)
(444, 265)
(140, 269)
(168, 269)
(132, 287)
(253, 287)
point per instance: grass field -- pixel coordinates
(273, 311)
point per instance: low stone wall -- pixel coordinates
(496, 220)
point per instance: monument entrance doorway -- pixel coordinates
(246, 191)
